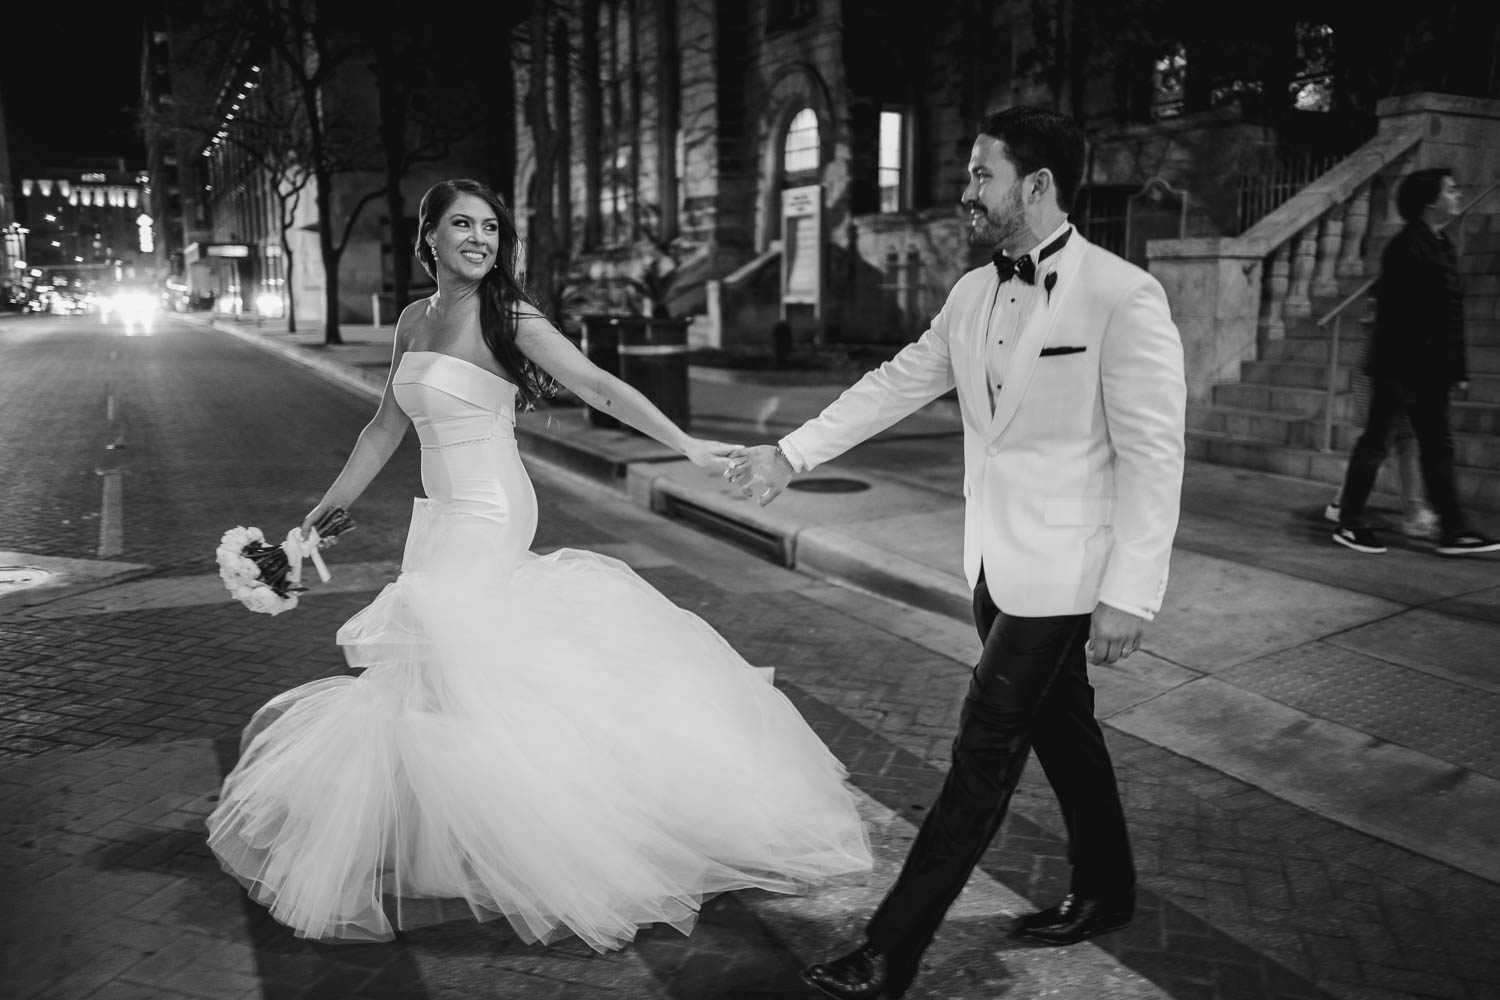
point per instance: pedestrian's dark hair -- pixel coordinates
(1419, 189)
(1040, 137)
(500, 293)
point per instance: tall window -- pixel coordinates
(801, 153)
(1312, 90)
(619, 114)
(614, 197)
(892, 161)
(1168, 79)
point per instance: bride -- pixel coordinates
(542, 738)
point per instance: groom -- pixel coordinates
(1070, 381)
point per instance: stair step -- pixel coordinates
(1467, 417)
(1484, 359)
(1483, 388)
(1478, 489)
(1481, 307)
(1474, 418)
(1297, 375)
(1236, 422)
(1478, 451)
(1291, 402)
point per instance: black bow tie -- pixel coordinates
(1023, 267)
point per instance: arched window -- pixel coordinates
(801, 153)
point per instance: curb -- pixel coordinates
(330, 370)
(830, 554)
(817, 551)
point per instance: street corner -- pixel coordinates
(28, 579)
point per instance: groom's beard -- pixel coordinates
(997, 227)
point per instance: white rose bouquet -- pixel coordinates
(267, 578)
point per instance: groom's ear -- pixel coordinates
(1041, 185)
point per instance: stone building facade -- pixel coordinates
(680, 125)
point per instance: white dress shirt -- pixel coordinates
(1015, 303)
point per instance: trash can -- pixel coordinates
(601, 345)
(653, 357)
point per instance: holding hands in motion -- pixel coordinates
(540, 738)
(759, 473)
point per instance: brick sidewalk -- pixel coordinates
(133, 717)
(120, 711)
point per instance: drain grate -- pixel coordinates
(828, 484)
(20, 577)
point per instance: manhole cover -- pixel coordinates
(828, 485)
(21, 577)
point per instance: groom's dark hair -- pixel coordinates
(1040, 137)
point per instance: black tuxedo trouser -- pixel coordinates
(1030, 691)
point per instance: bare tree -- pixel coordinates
(270, 136)
(314, 44)
(542, 239)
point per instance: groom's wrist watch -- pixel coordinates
(789, 463)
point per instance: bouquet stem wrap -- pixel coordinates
(267, 578)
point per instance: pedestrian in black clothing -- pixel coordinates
(1416, 360)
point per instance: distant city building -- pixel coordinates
(228, 182)
(86, 225)
(12, 233)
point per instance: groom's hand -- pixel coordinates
(762, 469)
(1113, 634)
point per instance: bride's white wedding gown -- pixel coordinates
(544, 738)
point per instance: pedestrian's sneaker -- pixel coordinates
(1361, 540)
(1331, 513)
(1423, 524)
(1466, 544)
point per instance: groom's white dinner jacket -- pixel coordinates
(1072, 480)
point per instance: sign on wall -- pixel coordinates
(802, 247)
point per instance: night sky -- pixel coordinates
(70, 80)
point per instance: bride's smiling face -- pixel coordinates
(466, 239)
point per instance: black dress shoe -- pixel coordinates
(1075, 919)
(862, 974)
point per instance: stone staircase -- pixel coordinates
(1273, 419)
(1262, 392)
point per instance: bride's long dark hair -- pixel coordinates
(500, 294)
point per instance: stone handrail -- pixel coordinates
(1228, 294)
(1332, 322)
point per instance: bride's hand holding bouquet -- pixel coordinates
(267, 578)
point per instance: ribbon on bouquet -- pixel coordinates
(298, 548)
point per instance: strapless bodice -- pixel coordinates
(466, 420)
(453, 402)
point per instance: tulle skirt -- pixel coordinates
(546, 739)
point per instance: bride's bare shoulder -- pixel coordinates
(413, 319)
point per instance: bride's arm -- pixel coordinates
(540, 341)
(374, 447)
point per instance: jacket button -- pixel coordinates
(993, 451)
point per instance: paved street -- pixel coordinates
(122, 694)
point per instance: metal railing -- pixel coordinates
(1335, 316)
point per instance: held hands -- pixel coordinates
(1113, 635)
(710, 455)
(763, 466)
